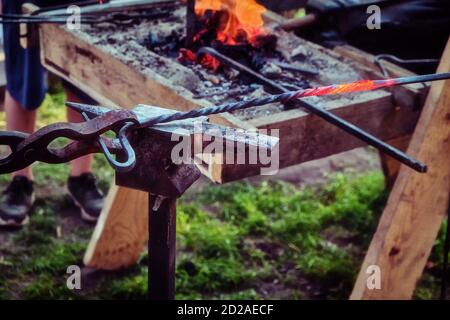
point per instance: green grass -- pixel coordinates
(230, 248)
(297, 220)
(256, 236)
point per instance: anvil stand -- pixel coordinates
(165, 181)
(162, 249)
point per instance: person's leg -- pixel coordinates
(19, 119)
(25, 91)
(83, 164)
(17, 199)
(82, 184)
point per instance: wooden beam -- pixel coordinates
(391, 166)
(417, 205)
(367, 60)
(121, 232)
(98, 74)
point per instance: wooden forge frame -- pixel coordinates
(120, 234)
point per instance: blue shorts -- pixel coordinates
(26, 79)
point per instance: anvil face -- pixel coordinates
(143, 113)
(146, 112)
(156, 173)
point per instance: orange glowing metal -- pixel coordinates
(210, 62)
(207, 61)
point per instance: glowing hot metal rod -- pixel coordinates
(363, 85)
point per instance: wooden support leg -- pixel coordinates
(121, 231)
(390, 166)
(161, 248)
(417, 205)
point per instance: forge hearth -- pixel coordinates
(156, 46)
(128, 65)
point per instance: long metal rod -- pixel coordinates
(89, 11)
(324, 114)
(284, 97)
(112, 6)
(63, 7)
(120, 19)
(391, 58)
(363, 85)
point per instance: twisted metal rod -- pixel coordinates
(321, 112)
(363, 85)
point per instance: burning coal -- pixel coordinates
(236, 27)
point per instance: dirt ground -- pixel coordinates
(318, 172)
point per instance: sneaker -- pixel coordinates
(86, 195)
(16, 202)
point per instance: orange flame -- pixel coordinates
(243, 16)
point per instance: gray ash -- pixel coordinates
(257, 55)
(152, 48)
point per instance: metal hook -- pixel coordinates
(391, 58)
(128, 150)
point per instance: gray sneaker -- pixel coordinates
(16, 202)
(86, 195)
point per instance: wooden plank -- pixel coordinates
(100, 75)
(391, 166)
(121, 231)
(367, 60)
(417, 205)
